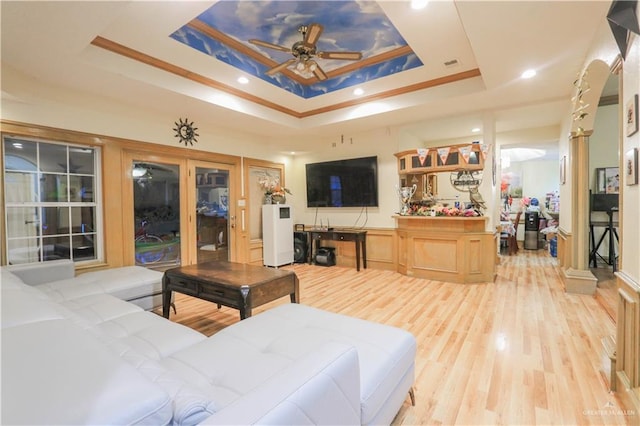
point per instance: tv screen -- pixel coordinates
(343, 183)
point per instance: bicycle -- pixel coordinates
(150, 248)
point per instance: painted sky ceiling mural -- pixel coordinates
(223, 31)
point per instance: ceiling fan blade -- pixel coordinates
(280, 67)
(269, 45)
(313, 34)
(318, 72)
(351, 56)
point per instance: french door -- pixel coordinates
(157, 236)
(211, 214)
(180, 212)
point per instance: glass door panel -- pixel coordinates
(156, 203)
(212, 213)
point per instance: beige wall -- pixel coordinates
(382, 143)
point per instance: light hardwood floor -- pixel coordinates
(519, 351)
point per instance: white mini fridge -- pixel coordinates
(277, 234)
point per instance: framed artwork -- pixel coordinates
(563, 170)
(631, 167)
(612, 180)
(632, 115)
(513, 184)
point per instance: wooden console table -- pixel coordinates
(358, 237)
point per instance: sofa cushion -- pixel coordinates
(53, 372)
(321, 388)
(126, 283)
(225, 367)
(8, 279)
(98, 308)
(20, 308)
(149, 334)
(44, 272)
(386, 353)
(23, 304)
(190, 404)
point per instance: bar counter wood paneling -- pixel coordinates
(446, 248)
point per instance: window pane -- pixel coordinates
(83, 247)
(21, 187)
(55, 220)
(54, 248)
(23, 251)
(53, 188)
(81, 188)
(83, 220)
(20, 155)
(81, 160)
(53, 158)
(157, 214)
(22, 222)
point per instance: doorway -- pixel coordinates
(604, 189)
(214, 217)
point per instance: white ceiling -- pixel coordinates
(51, 41)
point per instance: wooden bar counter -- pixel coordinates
(446, 248)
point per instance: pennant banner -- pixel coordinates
(465, 151)
(484, 149)
(422, 155)
(444, 154)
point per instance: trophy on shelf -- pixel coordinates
(405, 193)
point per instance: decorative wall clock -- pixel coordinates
(185, 131)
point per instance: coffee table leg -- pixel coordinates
(295, 296)
(166, 297)
(245, 309)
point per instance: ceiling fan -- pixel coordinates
(305, 51)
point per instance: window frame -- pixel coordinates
(96, 204)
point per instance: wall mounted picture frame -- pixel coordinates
(612, 180)
(631, 167)
(632, 115)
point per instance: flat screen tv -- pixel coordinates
(343, 183)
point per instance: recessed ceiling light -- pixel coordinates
(528, 73)
(358, 91)
(292, 153)
(419, 4)
(475, 129)
(243, 80)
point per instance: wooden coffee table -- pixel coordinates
(236, 285)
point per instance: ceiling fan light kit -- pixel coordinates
(304, 53)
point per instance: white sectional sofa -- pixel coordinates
(75, 354)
